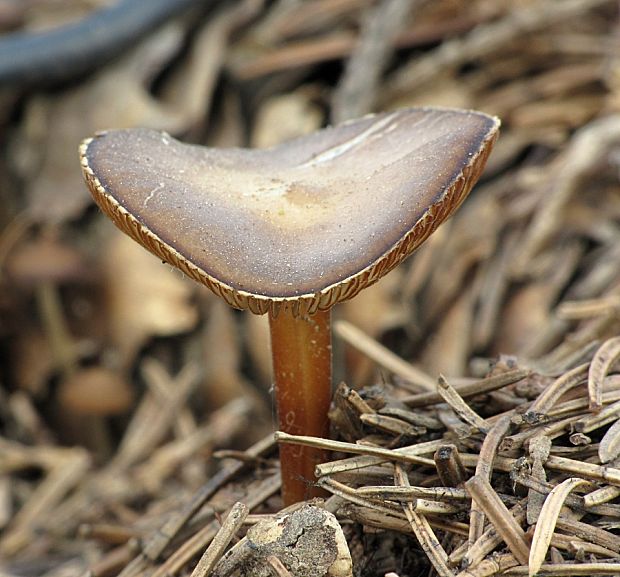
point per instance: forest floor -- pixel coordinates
(135, 406)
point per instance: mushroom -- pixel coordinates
(292, 230)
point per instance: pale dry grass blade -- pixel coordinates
(561, 385)
(546, 523)
(600, 496)
(484, 469)
(609, 447)
(403, 454)
(603, 360)
(592, 422)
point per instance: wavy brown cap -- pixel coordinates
(305, 224)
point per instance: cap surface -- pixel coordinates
(307, 223)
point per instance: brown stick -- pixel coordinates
(301, 351)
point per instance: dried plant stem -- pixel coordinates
(162, 537)
(484, 39)
(423, 531)
(609, 446)
(550, 430)
(195, 544)
(279, 570)
(61, 478)
(469, 389)
(404, 454)
(458, 405)
(505, 524)
(574, 501)
(153, 418)
(55, 324)
(600, 496)
(356, 91)
(231, 525)
(600, 419)
(344, 491)
(572, 544)
(589, 533)
(582, 309)
(390, 424)
(575, 405)
(569, 569)
(487, 542)
(588, 470)
(409, 493)
(302, 357)
(610, 475)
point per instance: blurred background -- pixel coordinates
(111, 361)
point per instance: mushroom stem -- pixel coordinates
(302, 358)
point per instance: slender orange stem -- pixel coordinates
(302, 354)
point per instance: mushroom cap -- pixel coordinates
(305, 224)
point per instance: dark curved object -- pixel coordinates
(47, 58)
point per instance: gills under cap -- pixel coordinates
(305, 224)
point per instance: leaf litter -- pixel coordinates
(477, 432)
